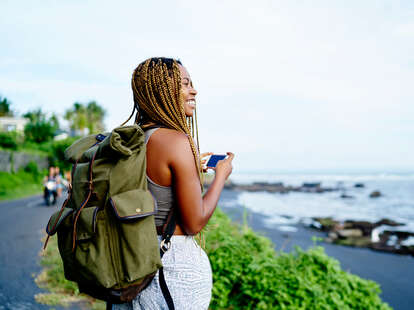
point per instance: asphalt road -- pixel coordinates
(22, 225)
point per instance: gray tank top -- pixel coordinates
(163, 195)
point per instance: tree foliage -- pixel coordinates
(86, 116)
(40, 128)
(8, 140)
(57, 153)
(5, 109)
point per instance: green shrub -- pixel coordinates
(8, 140)
(40, 128)
(39, 132)
(249, 274)
(53, 149)
(32, 168)
(57, 153)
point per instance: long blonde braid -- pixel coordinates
(156, 86)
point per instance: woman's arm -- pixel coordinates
(195, 210)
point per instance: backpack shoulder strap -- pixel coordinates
(149, 132)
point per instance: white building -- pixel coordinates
(8, 123)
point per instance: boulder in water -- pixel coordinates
(346, 196)
(375, 194)
(349, 233)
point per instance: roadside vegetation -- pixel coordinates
(38, 138)
(248, 274)
(28, 180)
(24, 183)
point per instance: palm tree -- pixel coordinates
(82, 116)
(77, 117)
(95, 115)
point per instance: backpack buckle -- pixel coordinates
(165, 246)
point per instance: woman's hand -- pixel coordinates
(203, 161)
(224, 167)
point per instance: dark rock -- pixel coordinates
(392, 241)
(277, 184)
(349, 233)
(354, 241)
(358, 234)
(364, 226)
(375, 194)
(359, 185)
(345, 196)
(278, 187)
(328, 224)
(311, 185)
(388, 223)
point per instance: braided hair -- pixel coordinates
(156, 86)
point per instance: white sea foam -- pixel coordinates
(287, 228)
(408, 242)
(396, 203)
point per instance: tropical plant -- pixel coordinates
(82, 116)
(40, 128)
(5, 107)
(95, 115)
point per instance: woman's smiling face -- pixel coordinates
(188, 92)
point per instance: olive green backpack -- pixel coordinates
(106, 230)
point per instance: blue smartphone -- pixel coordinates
(212, 162)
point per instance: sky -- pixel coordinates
(285, 85)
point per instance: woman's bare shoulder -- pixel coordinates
(171, 141)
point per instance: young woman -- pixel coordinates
(164, 98)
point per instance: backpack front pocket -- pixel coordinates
(137, 243)
(86, 225)
(92, 255)
(56, 220)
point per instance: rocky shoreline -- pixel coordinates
(385, 235)
(281, 188)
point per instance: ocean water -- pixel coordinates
(284, 211)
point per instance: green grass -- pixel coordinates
(249, 274)
(19, 185)
(61, 291)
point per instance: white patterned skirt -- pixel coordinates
(188, 275)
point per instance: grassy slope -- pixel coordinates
(19, 185)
